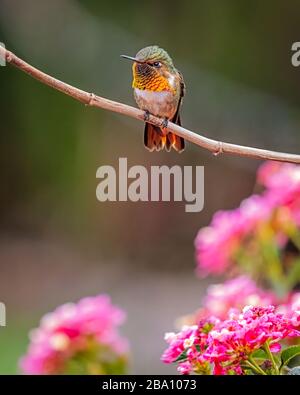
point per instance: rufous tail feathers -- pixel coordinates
(154, 139)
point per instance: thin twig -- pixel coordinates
(271, 356)
(253, 365)
(90, 99)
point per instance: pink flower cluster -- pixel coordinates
(217, 244)
(232, 296)
(188, 347)
(226, 345)
(235, 339)
(282, 182)
(292, 308)
(70, 329)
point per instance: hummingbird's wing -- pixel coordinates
(182, 84)
(172, 139)
(176, 118)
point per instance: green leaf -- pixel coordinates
(288, 354)
(182, 357)
(259, 354)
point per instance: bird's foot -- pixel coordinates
(146, 116)
(162, 130)
(164, 126)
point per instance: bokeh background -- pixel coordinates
(57, 242)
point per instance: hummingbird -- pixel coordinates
(158, 90)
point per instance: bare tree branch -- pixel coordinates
(90, 99)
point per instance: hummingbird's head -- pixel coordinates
(152, 68)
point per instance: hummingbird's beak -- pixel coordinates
(131, 58)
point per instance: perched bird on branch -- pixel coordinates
(90, 99)
(158, 90)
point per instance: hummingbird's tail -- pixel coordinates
(154, 139)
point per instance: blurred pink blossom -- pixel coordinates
(233, 295)
(216, 243)
(278, 206)
(291, 307)
(282, 182)
(70, 329)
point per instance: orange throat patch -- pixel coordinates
(155, 82)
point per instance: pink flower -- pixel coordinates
(178, 343)
(282, 182)
(87, 326)
(185, 368)
(219, 245)
(191, 341)
(224, 346)
(292, 308)
(233, 295)
(236, 338)
(284, 177)
(266, 171)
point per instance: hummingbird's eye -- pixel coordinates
(156, 64)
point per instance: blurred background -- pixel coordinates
(57, 242)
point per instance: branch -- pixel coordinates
(90, 99)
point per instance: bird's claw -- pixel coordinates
(146, 116)
(164, 123)
(162, 130)
(164, 126)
